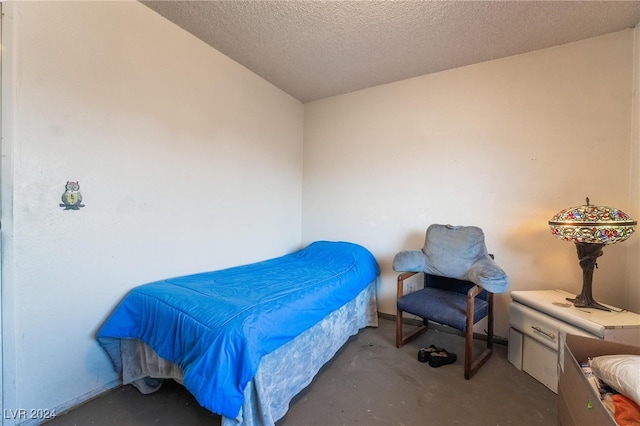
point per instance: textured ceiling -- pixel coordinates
(316, 49)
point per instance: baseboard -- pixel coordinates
(75, 402)
(443, 328)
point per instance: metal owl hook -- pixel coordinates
(72, 198)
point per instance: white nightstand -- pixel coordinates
(538, 318)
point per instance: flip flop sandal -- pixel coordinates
(423, 353)
(440, 358)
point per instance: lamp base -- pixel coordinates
(588, 253)
(580, 303)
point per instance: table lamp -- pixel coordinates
(591, 228)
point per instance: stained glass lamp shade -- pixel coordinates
(591, 228)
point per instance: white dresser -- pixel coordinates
(538, 318)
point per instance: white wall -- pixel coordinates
(187, 162)
(503, 145)
(633, 274)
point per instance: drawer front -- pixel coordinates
(541, 327)
(515, 348)
(541, 362)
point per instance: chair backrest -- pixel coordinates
(451, 284)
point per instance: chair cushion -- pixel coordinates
(442, 306)
(457, 252)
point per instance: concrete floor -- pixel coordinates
(369, 382)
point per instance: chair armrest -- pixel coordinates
(474, 291)
(401, 279)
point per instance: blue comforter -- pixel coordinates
(218, 325)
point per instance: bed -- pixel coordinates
(245, 340)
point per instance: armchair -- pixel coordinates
(460, 278)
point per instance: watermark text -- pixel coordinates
(28, 413)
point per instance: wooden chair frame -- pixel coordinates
(471, 365)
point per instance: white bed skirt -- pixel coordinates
(281, 375)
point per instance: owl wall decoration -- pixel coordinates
(72, 198)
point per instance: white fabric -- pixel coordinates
(621, 372)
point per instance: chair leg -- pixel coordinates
(400, 340)
(472, 365)
(399, 328)
(490, 322)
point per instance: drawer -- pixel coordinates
(540, 327)
(541, 363)
(514, 348)
(534, 358)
